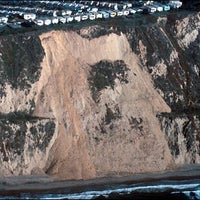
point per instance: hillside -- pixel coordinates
(106, 98)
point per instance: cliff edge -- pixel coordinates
(109, 99)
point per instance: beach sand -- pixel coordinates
(44, 184)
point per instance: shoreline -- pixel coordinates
(11, 186)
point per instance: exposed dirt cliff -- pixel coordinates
(108, 99)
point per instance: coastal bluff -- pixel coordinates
(105, 99)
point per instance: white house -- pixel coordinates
(111, 13)
(129, 5)
(3, 20)
(119, 13)
(175, 4)
(165, 6)
(62, 20)
(29, 16)
(92, 16)
(55, 20)
(77, 18)
(69, 19)
(66, 12)
(125, 12)
(132, 11)
(84, 17)
(47, 21)
(158, 7)
(151, 9)
(105, 14)
(99, 15)
(39, 22)
(94, 9)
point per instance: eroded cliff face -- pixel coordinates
(173, 62)
(101, 100)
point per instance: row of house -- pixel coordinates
(54, 12)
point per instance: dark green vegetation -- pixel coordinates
(136, 123)
(19, 116)
(17, 127)
(14, 136)
(96, 32)
(21, 55)
(111, 115)
(109, 119)
(188, 125)
(103, 75)
(41, 135)
(12, 140)
(108, 122)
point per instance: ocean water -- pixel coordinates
(189, 189)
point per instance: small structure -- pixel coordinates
(94, 9)
(92, 16)
(128, 4)
(66, 12)
(84, 17)
(3, 20)
(47, 21)
(125, 12)
(119, 13)
(39, 22)
(111, 13)
(132, 11)
(150, 9)
(165, 6)
(69, 19)
(139, 10)
(29, 16)
(42, 21)
(115, 6)
(63, 20)
(99, 15)
(55, 20)
(102, 4)
(105, 14)
(158, 7)
(175, 4)
(77, 18)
